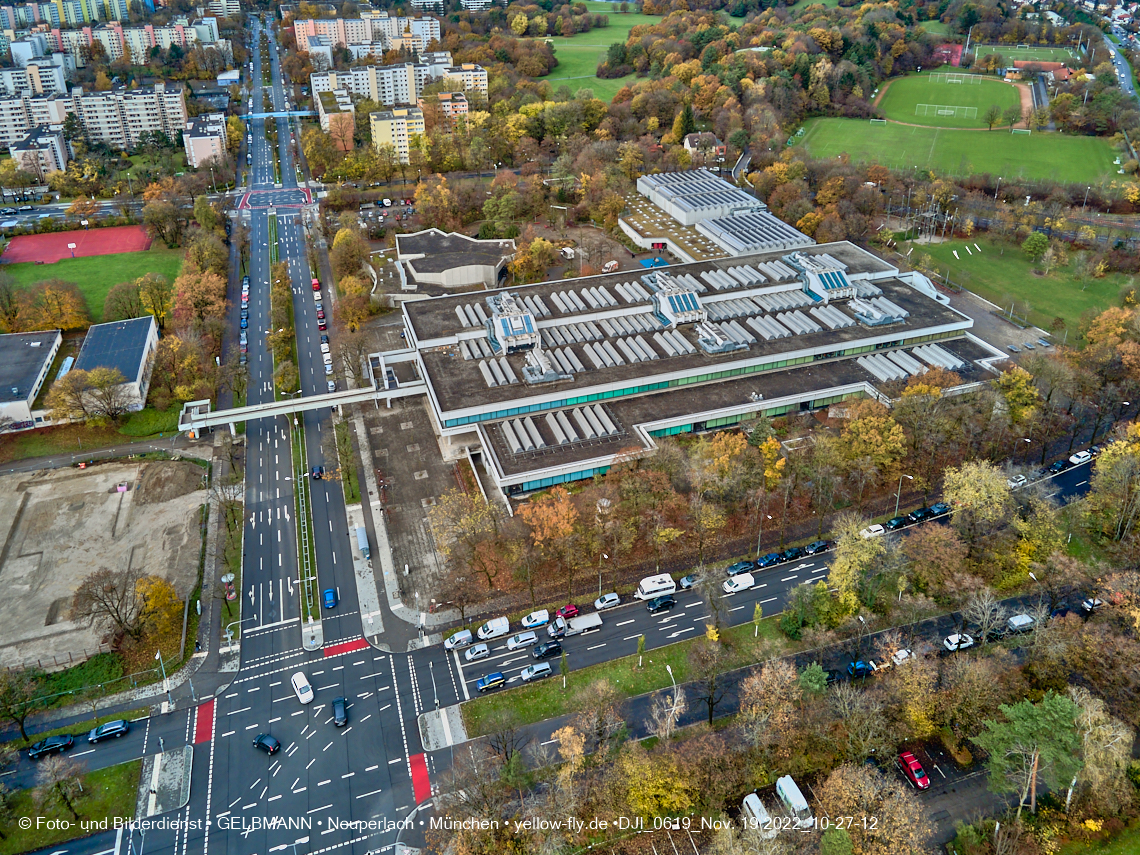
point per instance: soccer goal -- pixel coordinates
(1023, 47)
(878, 121)
(947, 110)
(1025, 131)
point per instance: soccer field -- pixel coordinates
(927, 99)
(1036, 156)
(1010, 53)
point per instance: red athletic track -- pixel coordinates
(51, 247)
(345, 647)
(204, 722)
(420, 782)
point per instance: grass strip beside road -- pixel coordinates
(547, 699)
(273, 259)
(310, 609)
(348, 479)
(78, 729)
(107, 794)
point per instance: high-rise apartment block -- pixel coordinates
(394, 85)
(373, 27)
(396, 128)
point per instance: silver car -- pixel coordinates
(479, 651)
(607, 601)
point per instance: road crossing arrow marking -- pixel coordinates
(251, 595)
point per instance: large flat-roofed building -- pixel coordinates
(695, 195)
(25, 359)
(128, 346)
(396, 128)
(205, 138)
(432, 257)
(549, 383)
(41, 152)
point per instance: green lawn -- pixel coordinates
(1040, 156)
(96, 274)
(936, 28)
(108, 793)
(1009, 52)
(923, 99)
(578, 56)
(1002, 278)
(1127, 843)
(547, 699)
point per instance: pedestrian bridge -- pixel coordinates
(283, 114)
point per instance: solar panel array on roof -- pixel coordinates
(746, 233)
(683, 302)
(833, 279)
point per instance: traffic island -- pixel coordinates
(442, 728)
(165, 781)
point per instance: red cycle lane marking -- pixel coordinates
(345, 647)
(204, 722)
(420, 782)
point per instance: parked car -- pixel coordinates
(606, 601)
(818, 546)
(325, 347)
(546, 650)
(1058, 467)
(244, 322)
(912, 770)
(860, 669)
(834, 675)
(479, 651)
(661, 604)
(489, 682)
(328, 369)
(267, 743)
(939, 508)
(921, 515)
(872, 530)
(324, 339)
(1080, 457)
(958, 641)
(896, 523)
(331, 383)
(538, 618)
(901, 657)
(320, 315)
(687, 582)
(459, 639)
(112, 728)
(568, 611)
(1017, 481)
(793, 553)
(340, 712)
(330, 598)
(51, 745)
(1091, 604)
(739, 567)
(322, 325)
(769, 560)
(301, 687)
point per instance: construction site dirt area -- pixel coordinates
(60, 526)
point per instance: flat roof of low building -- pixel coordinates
(118, 344)
(695, 189)
(22, 358)
(433, 251)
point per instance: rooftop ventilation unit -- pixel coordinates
(872, 316)
(713, 340)
(675, 303)
(539, 368)
(823, 277)
(511, 326)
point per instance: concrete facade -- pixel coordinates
(41, 152)
(205, 138)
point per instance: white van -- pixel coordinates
(494, 628)
(1020, 623)
(739, 582)
(754, 815)
(794, 802)
(302, 688)
(522, 639)
(655, 586)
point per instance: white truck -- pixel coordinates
(560, 627)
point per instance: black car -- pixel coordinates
(1059, 466)
(340, 712)
(834, 676)
(266, 743)
(51, 745)
(244, 313)
(739, 567)
(793, 553)
(546, 650)
(895, 523)
(112, 728)
(661, 604)
(920, 515)
(818, 546)
(939, 508)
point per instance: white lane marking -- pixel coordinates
(374, 792)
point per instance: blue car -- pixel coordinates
(330, 598)
(769, 560)
(244, 323)
(740, 567)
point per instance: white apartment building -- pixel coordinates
(36, 78)
(204, 138)
(396, 128)
(393, 85)
(224, 8)
(118, 117)
(41, 152)
(373, 26)
(118, 41)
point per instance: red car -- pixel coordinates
(568, 611)
(321, 325)
(913, 771)
(320, 314)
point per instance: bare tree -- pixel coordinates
(600, 720)
(708, 661)
(984, 612)
(352, 347)
(506, 737)
(111, 599)
(20, 695)
(667, 709)
(59, 780)
(864, 720)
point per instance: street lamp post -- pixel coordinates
(607, 558)
(434, 691)
(162, 665)
(669, 668)
(898, 495)
(760, 531)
